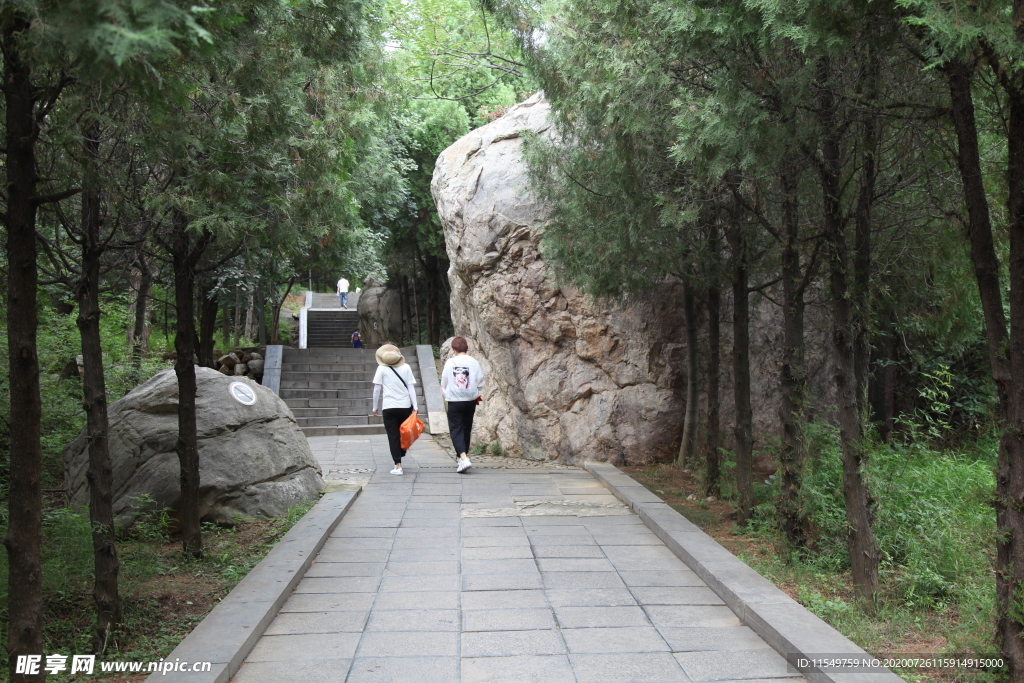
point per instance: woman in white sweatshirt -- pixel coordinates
(461, 381)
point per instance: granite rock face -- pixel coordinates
(567, 377)
(570, 378)
(254, 460)
(380, 314)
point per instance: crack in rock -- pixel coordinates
(553, 508)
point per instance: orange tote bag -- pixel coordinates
(410, 430)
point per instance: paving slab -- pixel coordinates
(712, 666)
(392, 669)
(512, 643)
(317, 622)
(646, 667)
(508, 620)
(498, 575)
(614, 640)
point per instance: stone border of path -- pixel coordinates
(272, 368)
(781, 621)
(437, 419)
(229, 632)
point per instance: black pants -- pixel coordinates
(393, 419)
(460, 423)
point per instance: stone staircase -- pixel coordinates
(330, 390)
(331, 329)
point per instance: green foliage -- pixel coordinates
(63, 418)
(68, 570)
(152, 524)
(934, 520)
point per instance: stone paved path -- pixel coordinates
(496, 575)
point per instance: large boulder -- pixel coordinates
(254, 460)
(380, 314)
(568, 377)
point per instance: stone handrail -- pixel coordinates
(272, 368)
(437, 420)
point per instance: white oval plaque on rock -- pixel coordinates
(243, 393)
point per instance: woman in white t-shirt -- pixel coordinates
(395, 381)
(461, 381)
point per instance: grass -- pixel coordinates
(163, 596)
(935, 527)
(488, 449)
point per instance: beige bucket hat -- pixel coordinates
(390, 355)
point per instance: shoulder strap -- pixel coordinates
(398, 376)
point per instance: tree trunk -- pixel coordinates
(712, 456)
(403, 298)
(140, 330)
(25, 502)
(861, 542)
(250, 319)
(743, 429)
(185, 257)
(225, 322)
(861, 294)
(881, 383)
(416, 310)
(1009, 485)
(261, 318)
(1010, 473)
(793, 381)
(691, 417)
(100, 474)
(237, 319)
(207, 326)
(275, 313)
(430, 267)
(134, 284)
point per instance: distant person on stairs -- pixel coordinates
(343, 291)
(357, 341)
(395, 380)
(461, 381)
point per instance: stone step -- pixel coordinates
(335, 311)
(349, 430)
(337, 384)
(345, 403)
(312, 380)
(305, 376)
(327, 364)
(368, 368)
(325, 393)
(338, 350)
(338, 420)
(342, 405)
(332, 394)
(347, 353)
(314, 341)
(353, 411)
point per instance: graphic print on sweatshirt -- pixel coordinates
(461, 375)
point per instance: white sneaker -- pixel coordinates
(397, 470)
(464, 464)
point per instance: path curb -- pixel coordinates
(228, 633)
(782, 622)
(437, 419)
(272, 368)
